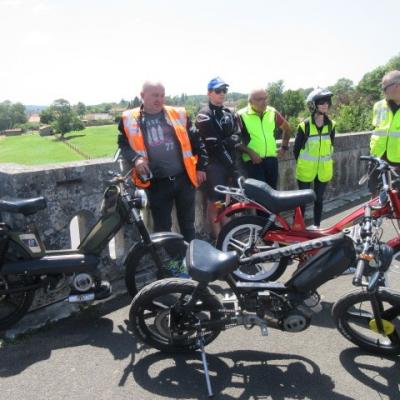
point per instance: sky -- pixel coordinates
(103, 50)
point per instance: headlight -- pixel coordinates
(140, 199)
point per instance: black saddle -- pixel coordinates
(23, 206)
(274, 200)
(206, 263)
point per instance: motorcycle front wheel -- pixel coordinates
(354, 318)
(243, 235)
(142, 268)
(13, 306)
(159, 321)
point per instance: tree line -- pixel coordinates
(351, 108)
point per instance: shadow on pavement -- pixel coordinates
(89, 327)
(373, 371)
(251, 374)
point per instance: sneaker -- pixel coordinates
(313, 227)
(350, 270)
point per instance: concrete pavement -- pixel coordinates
(94, 355)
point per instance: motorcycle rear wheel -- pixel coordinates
(150, 315)
(13, 306)
(354, 319)
(237, 235)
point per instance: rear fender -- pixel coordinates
(169, 240)
(237, 208)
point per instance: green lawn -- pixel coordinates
(33, 149)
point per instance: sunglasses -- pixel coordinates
(323, 101)
(221, 90)
(384, 88)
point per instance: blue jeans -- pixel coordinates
(266, 171)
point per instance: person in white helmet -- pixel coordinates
(313, 148)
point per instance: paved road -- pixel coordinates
(94, 355)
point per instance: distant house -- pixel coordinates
(97, 116)
(12, 132)
(45, 130)
(34, 118)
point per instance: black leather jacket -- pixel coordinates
(219, 128)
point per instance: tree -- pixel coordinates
(11, 115)
(47, 116)
(293, 103)
(343, 91)
(80, 109)
(275, 94)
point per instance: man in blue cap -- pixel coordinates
(219, 128)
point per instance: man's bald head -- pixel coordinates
(153, 96)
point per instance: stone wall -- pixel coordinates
(75, 189)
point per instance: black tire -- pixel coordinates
(142, 270)
(353, 313)
(392, 276)
(239, 230)
(150, 310)
(15, 305)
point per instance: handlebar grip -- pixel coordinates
(366, 158)
(359, 273)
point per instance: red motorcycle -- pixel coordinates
(250, 234)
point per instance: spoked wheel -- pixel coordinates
(243, 235)
(157, 319)
(142, 268)
(13, 306)
(354, 318)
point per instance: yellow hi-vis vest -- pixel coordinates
(316, 157)
(261, 131)
(386, 136)
(177, 118)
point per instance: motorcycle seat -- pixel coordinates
(274, 200)
(206, 264)
(23, 206)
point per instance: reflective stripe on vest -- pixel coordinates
(315, 160)
(177, 118)
(261, 131)
(386, 136)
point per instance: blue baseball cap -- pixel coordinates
(216, 83)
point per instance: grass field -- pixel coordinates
(33, 149)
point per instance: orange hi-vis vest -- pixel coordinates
(177, 118)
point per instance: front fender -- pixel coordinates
(236, 208)
(169, 240)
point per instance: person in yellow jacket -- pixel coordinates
(385, 139)
(169, 158)
(313, 148)
(259, 124)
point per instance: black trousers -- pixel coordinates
(163, 193)
(266, 171)
(319, 189)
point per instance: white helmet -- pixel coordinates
(318, 94)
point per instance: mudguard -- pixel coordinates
(237, 208)
(167, 239)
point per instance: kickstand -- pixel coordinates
(200, 342)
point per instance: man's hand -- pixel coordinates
(255, 158)
(142, 166)
(201, 177)
(281, 152)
